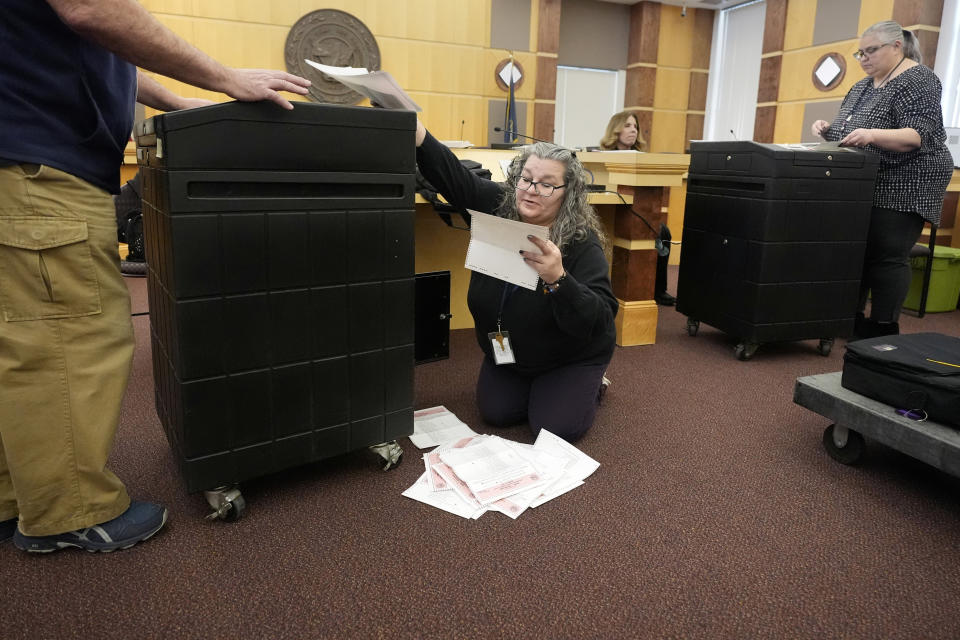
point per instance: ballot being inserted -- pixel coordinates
(495, 245)
(378, 86)
(471, 475)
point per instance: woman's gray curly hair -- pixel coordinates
(576, 218)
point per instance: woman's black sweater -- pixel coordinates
(572, 325)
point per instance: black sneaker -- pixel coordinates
(7, 528)
(665, 299)
(602, 391)
(140, 521)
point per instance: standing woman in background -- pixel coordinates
(895, 113)
(623, 133)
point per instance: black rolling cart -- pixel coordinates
(280, 247)
(773, 241)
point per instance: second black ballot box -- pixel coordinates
(280, 247)
(773, 241)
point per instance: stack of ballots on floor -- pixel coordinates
(469, 474)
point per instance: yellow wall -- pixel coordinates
(438, 50)
(671, 97)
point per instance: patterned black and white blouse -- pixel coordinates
(913, 181)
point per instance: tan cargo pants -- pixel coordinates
(66, 346)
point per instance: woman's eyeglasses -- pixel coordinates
(540, 188)
(860, 54)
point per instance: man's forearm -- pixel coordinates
(127, 29)
(153, 94)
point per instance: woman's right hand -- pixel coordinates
(819, 127)
(421, 132)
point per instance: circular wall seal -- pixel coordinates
(829, 71)
(334, 38)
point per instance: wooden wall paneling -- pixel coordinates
(801, 17)
(175, 7)
(640, 86)
(648, 202)
(928, 45)
(769, 88)
(219, 40)
(441, 109)
(694, 130)
(796, 66)
(446, 247)
(789, 123)
(443, 115)
(287, 13)
(668, 131)
(409, 70)
(548, 26)
(672, 88)
(464, 77)
(912, 12)
(630, 274)
(543, 120)
(774, 27)
(645, 124)
(676, 205)
(476, 23)
(872, 12)
(454, 117)
(644, 32)
(546, 86)
(765, 123)
(702, 37)
(697, 92)
(675, 40)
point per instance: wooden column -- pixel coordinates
(641, 79)
(644, 179)
(774, 30)
(547, 47)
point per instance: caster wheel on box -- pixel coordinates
(844, 445)
(746, 350)
(825, 346)
(227, 503)
(692, 327)
(390, 452)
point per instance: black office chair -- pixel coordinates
(927, 252)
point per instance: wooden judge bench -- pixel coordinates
(651, 183)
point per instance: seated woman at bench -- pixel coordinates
(623, 133)
(562, 334)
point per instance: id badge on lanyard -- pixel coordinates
(499, 339)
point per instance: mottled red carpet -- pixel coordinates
(715, 513)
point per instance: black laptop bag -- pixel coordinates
(918, 371)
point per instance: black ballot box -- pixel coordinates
(773, 241)
(280, 247)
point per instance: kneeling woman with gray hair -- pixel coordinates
(561, 334)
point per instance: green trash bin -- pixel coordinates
(944, 281)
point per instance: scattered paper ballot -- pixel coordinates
(378, 86)
(437, 425)
(475, 474)
(495, 245)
